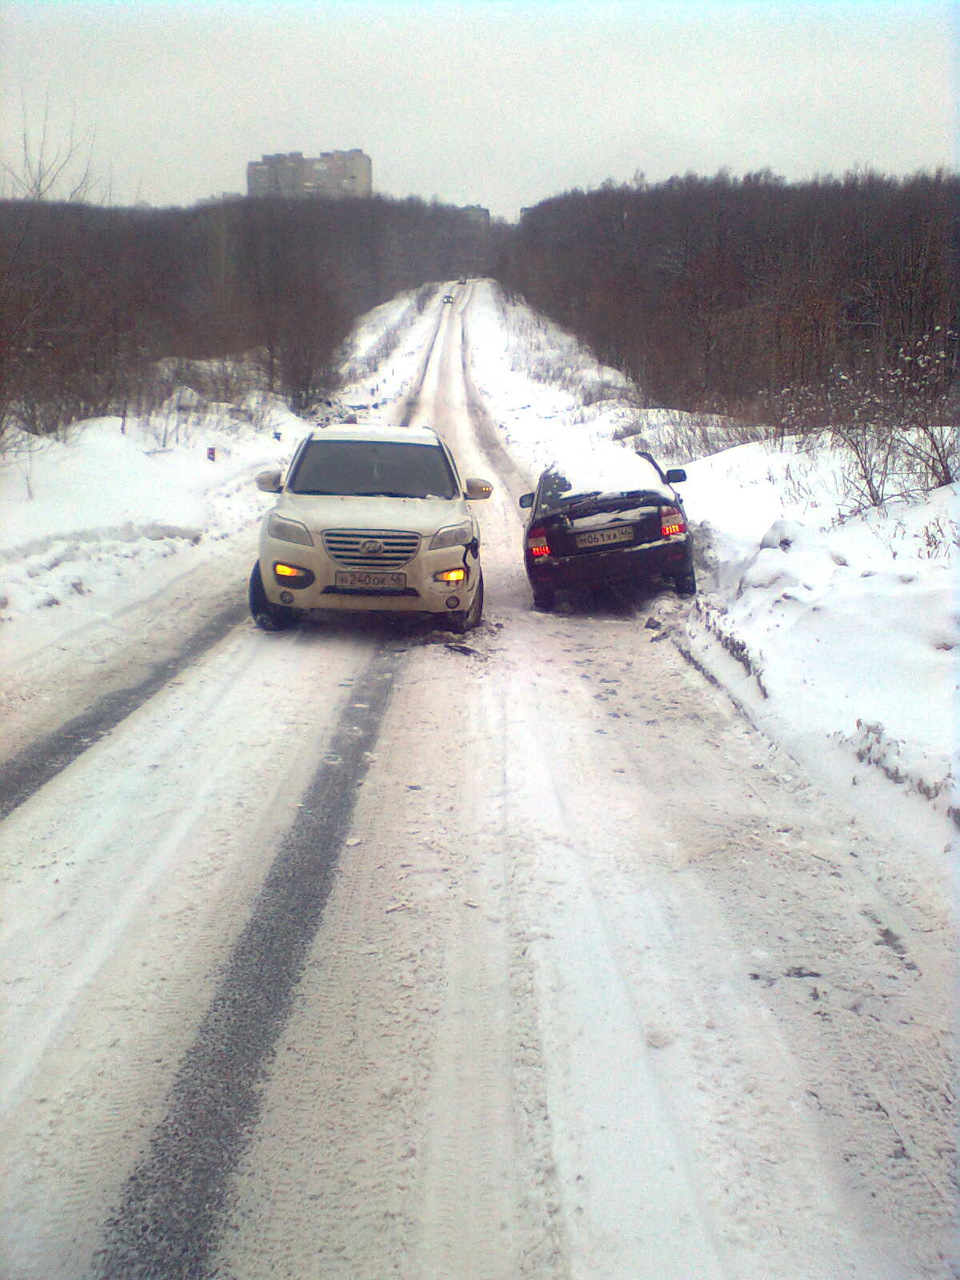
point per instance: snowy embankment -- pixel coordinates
(92, 519)
(838, 634)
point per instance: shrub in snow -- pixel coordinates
(928, 775)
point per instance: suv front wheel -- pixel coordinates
(267, 615)
(467, 619)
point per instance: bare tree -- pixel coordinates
(51, 168)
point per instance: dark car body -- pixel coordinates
(581, 537)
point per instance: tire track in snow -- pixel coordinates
(171, 1210)
(470, 1145)
(630, 1204)
(35, 766)
(413, 398)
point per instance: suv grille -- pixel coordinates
(370, 548)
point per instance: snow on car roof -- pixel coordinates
(377, 431)
(609, 468)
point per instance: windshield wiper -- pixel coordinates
(609, 502)
(574, 498)
(586, 503)
(385, 493)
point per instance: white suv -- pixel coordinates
(370, 518)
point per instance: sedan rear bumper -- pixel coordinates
(629, 564)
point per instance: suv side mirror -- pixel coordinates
(526, 499)
(269, 481)
(477, 489)
(676, 475)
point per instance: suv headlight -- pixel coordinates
(288, 530)
(454, 535)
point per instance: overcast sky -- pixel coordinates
(481, 101)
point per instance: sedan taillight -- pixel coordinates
(537, 543)
(671, 522)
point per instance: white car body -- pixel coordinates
(370, 551)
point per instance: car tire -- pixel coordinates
(267, 615)
(544, 599)
(468, 619)
(686, 583)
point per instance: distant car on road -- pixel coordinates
(584, 531)
(369, 518)
(448, 297)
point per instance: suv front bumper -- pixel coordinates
(329, 585)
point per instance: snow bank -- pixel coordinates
(89, 516)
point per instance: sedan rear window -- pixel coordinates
(556, 494)
(628, 477)
(365, 468)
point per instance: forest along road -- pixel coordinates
(367, 951)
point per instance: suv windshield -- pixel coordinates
(365, 468)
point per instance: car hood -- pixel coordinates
(419, 515)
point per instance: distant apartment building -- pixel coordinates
(478, 215)
(332, 174)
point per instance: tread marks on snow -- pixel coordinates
(171, 1211)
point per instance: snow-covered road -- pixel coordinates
(368, 951)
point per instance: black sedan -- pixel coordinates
(580, 536)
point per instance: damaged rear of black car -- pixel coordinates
(579, 537)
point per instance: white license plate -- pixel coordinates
(371, 581)
(603, 537)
